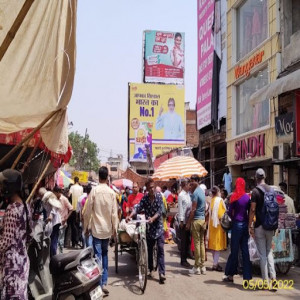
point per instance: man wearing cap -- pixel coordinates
(263, 238)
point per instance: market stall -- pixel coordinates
(37, 66)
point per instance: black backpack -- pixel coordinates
(270, 210)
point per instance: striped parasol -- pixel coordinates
(179, 167)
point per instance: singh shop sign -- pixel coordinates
(250, 147)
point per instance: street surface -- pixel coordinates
(181, 285)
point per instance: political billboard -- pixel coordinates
(156, 119)
(164, 57)
(205, 61)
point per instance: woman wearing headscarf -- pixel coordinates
(239, 212)
(216, 234)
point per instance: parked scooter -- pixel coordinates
(69, 276)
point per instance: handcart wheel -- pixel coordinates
(155, 257)
(143, 263)
(116, 256)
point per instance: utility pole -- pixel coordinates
(83, 151)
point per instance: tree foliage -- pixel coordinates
(85, 153)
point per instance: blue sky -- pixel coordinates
(109, 55)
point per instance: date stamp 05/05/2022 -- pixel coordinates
(268, 285)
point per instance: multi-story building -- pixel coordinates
(253, 61)
(115, 164)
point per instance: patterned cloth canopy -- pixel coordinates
(179, 167)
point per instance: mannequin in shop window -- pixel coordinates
(227, 180)
(265, 19)
(256, 28)
(248, 35)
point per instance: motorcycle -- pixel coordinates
(67, 276)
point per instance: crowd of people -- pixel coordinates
(92, 215)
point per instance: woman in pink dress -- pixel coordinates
(14, 261)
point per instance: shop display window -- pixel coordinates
(249, 116)
(252, 25)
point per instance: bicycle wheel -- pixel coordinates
(143, 263)
(283, 267)
(155, 257)
(116, 256)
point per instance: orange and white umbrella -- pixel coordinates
(179, 167)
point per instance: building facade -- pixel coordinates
(253, 62)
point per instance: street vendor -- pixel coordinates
(151, 204)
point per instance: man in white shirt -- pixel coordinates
(65, 212)
(171, 122)
(184, 202)
(102, 211)
(289, 202)
(52, 207)
(75, 192)
(166, 191)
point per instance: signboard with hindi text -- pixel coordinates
(82, 175)
(164, 57)
(156, 119)
(205, 61)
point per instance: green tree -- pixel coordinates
(85, 153)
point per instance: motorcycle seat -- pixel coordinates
(66, 261)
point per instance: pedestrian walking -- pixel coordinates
(152, 204)
(216, 234)
(53, 216)
(65, 212)
(239, 213)
(15, 233)
(197, 225)
(75, 192)
(263, 201)
(87, 241)
(184, 203)
(164, 214)
(101, 212)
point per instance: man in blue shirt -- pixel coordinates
(152, 204)
(197, 224)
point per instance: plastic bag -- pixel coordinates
(48, 229)
(253, 252)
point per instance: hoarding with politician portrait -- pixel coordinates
(164, 57)
(156, 119)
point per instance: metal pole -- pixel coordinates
(30, 156)
(19, 156)
(38, 182)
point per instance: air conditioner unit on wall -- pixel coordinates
(281, 151)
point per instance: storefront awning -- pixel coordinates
(282, 85)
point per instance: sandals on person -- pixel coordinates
(217, 268)
(228, 279)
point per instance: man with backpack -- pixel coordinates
(266, 211)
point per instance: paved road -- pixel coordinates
(180, 285)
